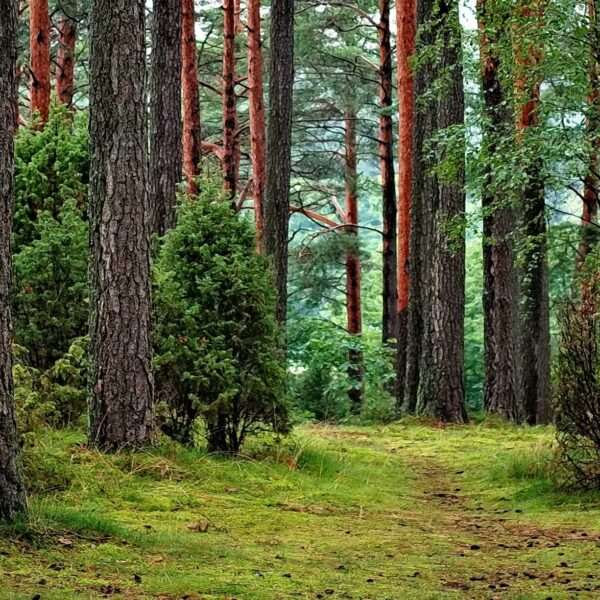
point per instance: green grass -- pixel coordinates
(401, 511)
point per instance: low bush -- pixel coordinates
(218, 346)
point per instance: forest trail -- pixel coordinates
(408, 511)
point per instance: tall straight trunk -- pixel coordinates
(12, 490)
(279, 147)
(353, 270)
(191, 98)
(535, 308)
(65, 57)
(388, 181)
(230, 116)
(121, 392)
(39, 59)
(406, 18)
(591, 184)
(257, 115)
(424, 186)
(500, 278)
(166, 134)
(439, 298)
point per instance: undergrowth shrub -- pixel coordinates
(321, 377)
(56, 396)
(578, 386)
(218, 347)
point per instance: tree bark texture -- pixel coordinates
(39, 59)
(257, 115)
(191, 99)
(500, 277)
(65, 56)
(230, 115)
(535, 306)
(406, 17)
(12, 490)
(121, 394)
(166, 133)
(591, 184)
(436, 386)
(353, 268)
(388, 181)
(279, 147)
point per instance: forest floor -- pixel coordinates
(397, 512)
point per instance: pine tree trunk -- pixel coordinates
(535, 309)
(121, 394)
(39, 59)
(230, 116)
(166, 134)
(591, 184)
(279, 147)
(191, 99)
(388, 181)
(424, 186)
(353, 270)
(12, 490)
(406, 17)
(257, 115)
(440, 386)
(500, 278)
(65, 57)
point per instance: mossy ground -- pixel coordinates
(396, 512)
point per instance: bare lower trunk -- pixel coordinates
(39, 59)
(353, 270)
(500, 294)
(279, 147)
(191, 98)
(257, 115)
(388, 182)
(406, 18)
(535, 309)
(121, 393)
(166, 136)
(12, 490)
(439, 299)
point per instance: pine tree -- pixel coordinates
(39, 59)
(191, 98)
(165, 113)
(121, 393)
(279, 147)
(65, 57)
(12, 491)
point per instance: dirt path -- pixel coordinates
(506, 556)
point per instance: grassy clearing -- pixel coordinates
(405, 511)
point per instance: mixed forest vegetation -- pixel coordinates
(299, 298)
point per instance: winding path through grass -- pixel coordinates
(406, 511)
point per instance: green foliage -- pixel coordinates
(50, 300)
(217, 342)
(56, 396)
(321, 378)
(51, 168)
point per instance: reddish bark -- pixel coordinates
(39, 61)
(388, 182)
(191, 99)
(591, 184)
(406, 17)
(257, 115)
(230, 116)
(353, 267)
(65, 60)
